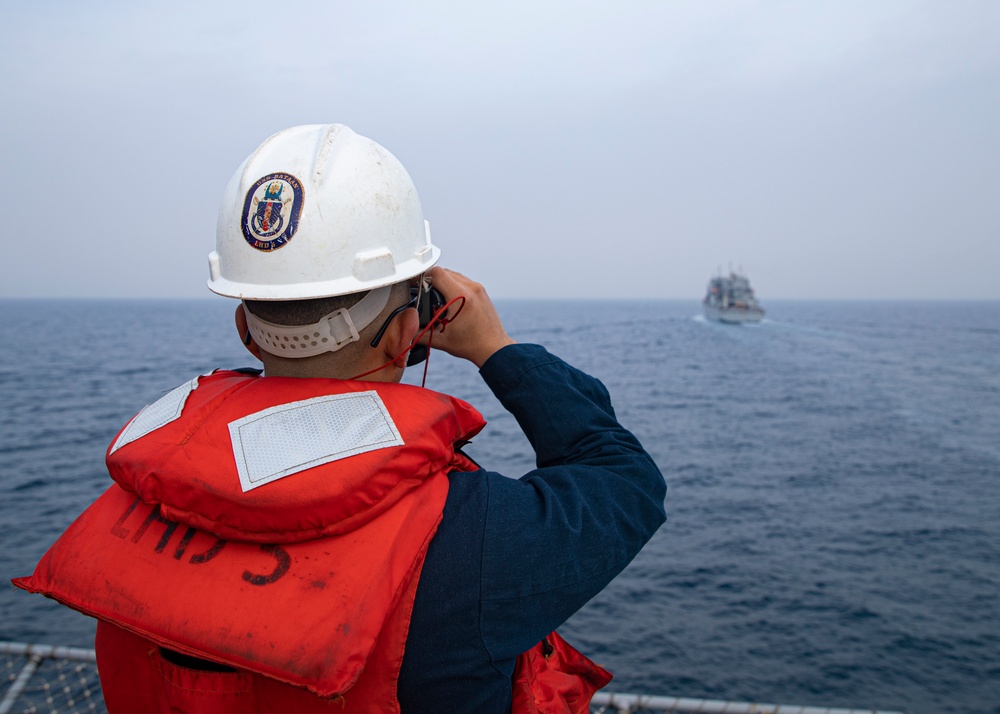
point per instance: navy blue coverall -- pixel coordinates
(514, 559)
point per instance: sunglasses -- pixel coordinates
(426, 309)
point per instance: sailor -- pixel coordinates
(315, 538)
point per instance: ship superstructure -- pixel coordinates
(731, 299)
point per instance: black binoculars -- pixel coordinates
(427, 306)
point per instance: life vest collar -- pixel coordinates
(251, 458)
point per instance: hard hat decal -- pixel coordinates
(271, 211)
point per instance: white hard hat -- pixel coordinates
(318, 211)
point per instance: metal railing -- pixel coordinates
(63, 680)
(628, 703)
(51, 679)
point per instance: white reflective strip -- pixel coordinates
(159, 413)
(289, 438)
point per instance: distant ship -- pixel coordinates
(731, 299)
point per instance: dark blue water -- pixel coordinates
(834, 472)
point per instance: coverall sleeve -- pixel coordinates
(558, 535)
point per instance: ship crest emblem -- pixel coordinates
(271, 211)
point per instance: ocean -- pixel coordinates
(833, 533)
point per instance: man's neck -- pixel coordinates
(317, 368)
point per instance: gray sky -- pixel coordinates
(561, 149)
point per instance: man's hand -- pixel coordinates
(477, 332)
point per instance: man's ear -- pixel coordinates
(398, 336)
(244, 331)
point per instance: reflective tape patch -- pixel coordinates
(153, 416)
(289, 438)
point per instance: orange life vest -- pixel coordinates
(277, 526)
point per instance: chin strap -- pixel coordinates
(333, 331)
